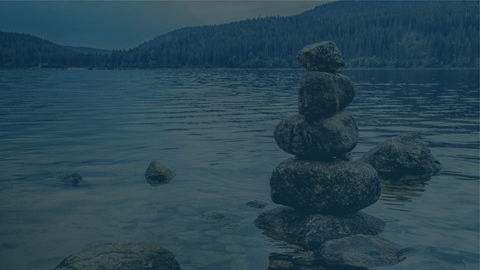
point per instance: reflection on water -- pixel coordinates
(214, 129)
(403, 189)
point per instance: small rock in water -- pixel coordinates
(256, 204)
(403, 154)
(121, 256)
(323, 94)
(72, 179)
(335, 188)
(322, 139)
(215, 215)
(310, 231)
(157, 173)
(321, 56)
(360, 251)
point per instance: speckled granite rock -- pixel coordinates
(403, 154)
(360, 251)
(323, 94)
(321, 56)
(121, 256)
(157, 173)
(310, 231)
(317, 140)
(335, 188)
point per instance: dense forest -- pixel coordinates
(22, 50)
(369, 34)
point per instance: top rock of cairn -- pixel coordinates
(322, 56)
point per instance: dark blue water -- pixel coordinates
(214, 129)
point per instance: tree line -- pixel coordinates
(369, 34)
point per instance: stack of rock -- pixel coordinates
(323, 189)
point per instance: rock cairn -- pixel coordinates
(321, 180)
(325, 189)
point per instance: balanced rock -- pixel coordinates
(157, 173)
(322, 139)
(323, 94)
(126, 256)
(403, 154)
(335, 188)
(321, 56)
(311, 231)
(72, 179)
(360, 251)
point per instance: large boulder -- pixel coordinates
(322, 139)
(157, 173)
(360, 251)
(335, 188)
(401, 155)
(323, 94)
(121, 256)
(321, 56)
(311, 231)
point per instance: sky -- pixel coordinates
(126, 24)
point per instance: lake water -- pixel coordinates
(214, 129)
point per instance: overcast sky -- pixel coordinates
(125, 24)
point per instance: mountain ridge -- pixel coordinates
(369, 34)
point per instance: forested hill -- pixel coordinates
(22, 50)
(397, 34)
(369, 34)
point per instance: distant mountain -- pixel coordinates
(369, 34)
(395, 34)
(88, 50)
(22, 50)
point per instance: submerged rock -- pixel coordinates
(72, 179)
(157, 173)
(403, 154)
(256, 204)
(300, 259)
(360, 251)
(317, 140)
(310, 231)
(323, 94)
(336, 188)
(121, 256)
(321, 56)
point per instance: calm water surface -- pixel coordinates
(214, 128)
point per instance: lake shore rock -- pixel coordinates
(72, 179)
(335, 188)
(360, 251)
(400, 155)
(322, 139)
(157, 173)
(311, 231)
(323, 94)
(121, 256)
(321, 56)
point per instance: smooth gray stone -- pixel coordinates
(335, 188)
(157, 173)
(310, 231)
(401, 155)
(72, 179)
(318, 140)
(121, 256)
(323, 94)
(321, 56)
(360, 251)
